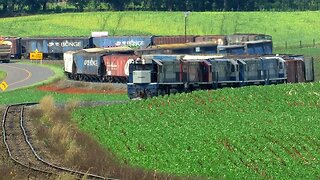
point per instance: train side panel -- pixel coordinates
(218, 39)
(158, 40)
(55, 45)
(118, 41)
(117, 67)
(89, 66)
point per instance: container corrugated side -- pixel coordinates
(119, 41)
(88, 63)
(55, 45)
(117, 65)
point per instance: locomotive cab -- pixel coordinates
(142, 79)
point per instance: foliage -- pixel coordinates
(166, 5)
(283, 26)
(254, 132)
(34, 95)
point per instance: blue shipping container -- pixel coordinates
(116, 41)
(88, 63)
(55, 45)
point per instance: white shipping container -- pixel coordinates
(68, 61)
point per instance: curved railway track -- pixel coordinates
(21, 151)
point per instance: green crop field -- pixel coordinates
(255, 132)
(283, 26)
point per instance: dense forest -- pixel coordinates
(20, 7)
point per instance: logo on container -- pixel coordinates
(130, 43)
(65, 44)
(90, 62)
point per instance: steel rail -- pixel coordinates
(34, 151)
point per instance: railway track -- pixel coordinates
(21, 150)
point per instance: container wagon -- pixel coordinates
(54, 47)
(136, 42)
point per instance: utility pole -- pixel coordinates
(185, 25)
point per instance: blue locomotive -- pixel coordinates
(154, 75)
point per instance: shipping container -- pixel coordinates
(158, 40)
(295, 71)
(89, 65)
(50, 45)
(120, 41)
(117, 66)
(69, 66)
(15, 43)
(218, 39)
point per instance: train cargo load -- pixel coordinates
(5, 51)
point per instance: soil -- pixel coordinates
(74, 90)
(75, 87)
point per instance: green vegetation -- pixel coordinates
(252, 132)
(2, 75)
(34, 95)
(283, 26)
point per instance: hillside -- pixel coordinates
(283, 26)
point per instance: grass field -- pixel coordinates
(254, 132)
(2, 75)
(283, 26)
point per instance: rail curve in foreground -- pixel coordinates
(21, 150)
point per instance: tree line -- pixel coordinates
(11, 7)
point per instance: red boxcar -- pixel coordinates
(117, 67)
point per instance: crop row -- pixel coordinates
(268, 132)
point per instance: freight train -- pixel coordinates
(111, 64)
(153, 75)
(54, 47)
